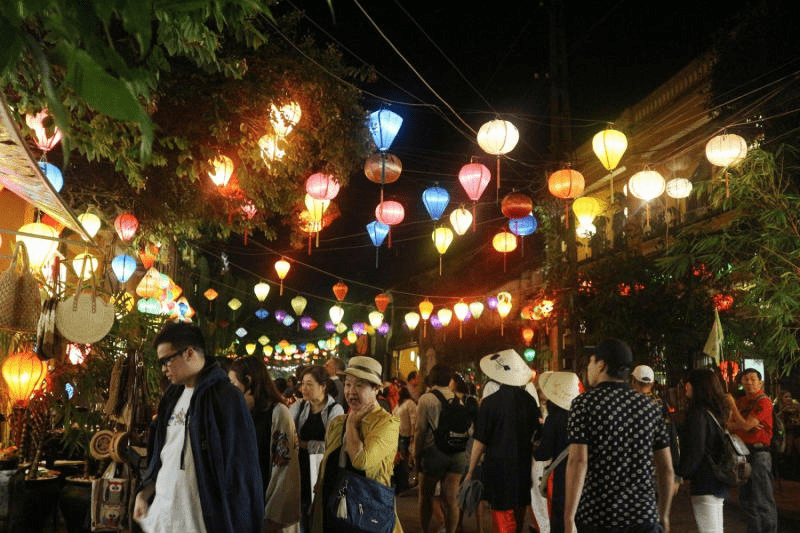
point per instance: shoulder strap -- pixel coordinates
(714, 418)
(752, 405)
(330, 408)
(342, 458)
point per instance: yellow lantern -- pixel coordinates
(90, 222)
(234, 304)
(726, 150)
(223, 170)
(263, 340)
(299, 304)
(23, 374)
(646, 185)
(261, 290)
(476, 308)
(442, 238)
(250, 348)
(282, 267)
(316, 208)
(445, 316)
(585, 230)
(375, 319)
(412, 320)
(268, 350)
(425, 310)
(41, 243)
(586, 208)
(270, 148)
(91, 264)
(504, 242)
(461, 310)
(503, 309)
(461, 220)
(284, 118)
(336, 313)
(608, 146)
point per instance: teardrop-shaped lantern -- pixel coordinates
(316, 208)
(322, 186)
(123, 266)
(23, 374)
(566, 183)
(340, 290)
(222, 170)
(461, 219)
(261, 290)
(461, 310)
(425, 309)
(377, 232)
(445, 316)
(474, 177)
(91, 223)
(498, 137)
(609, 145)
(299, 304)
(527, 336)
(516, 205)
(284, 118)
(85, 264)
(646, 185)
(586, 208)
(383, 168)
(40, 243)
(476, 309)
(53, 175)
(375, 318)
(678, 188)
(282, 267)
(412, 320)
(126, 225)
(383, 127)
(726, 150)
(381, 301)
(442, 238)
(435, 200)
(336, 313)
(585, 230)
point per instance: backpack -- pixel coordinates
(731, 467)
(452, 430)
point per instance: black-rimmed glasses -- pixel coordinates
(165, 361)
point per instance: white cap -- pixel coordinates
(643, 374)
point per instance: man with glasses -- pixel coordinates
(200, 476)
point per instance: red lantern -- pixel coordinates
(723, 302)
(516, 205)
(376, 172)
(474, 177)
(566, 183)
(322, 186)
(148, 255)
(126, 225)
(340, 290)
(381, 301)
(390, 213)
(527, 336)
(44, 142)
(23, 373)
(729, 370)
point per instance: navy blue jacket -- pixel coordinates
(700, 439)
(225, 452)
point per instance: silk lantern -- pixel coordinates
(516, 205)
(678, 188)
(305, 322)
(282, 267)
(375, 318)
(503, 309)
(461, 311)
(340, 290)
(23, 373)
(609, 145)
(586, 208)
(412, 320)
(288, 320)
(425, 310)
(270, 147)
(566, 183)
(498, 137)
(461, 220)
(85, 265)
(504, 242)
(126, 225)
(90, 222)
(442, 238)
(474, 177)
(40, 242)
(53, 175)
(527, 336)
(435, 200)
(210, 294)
(524, 226)
(222, 170)
(261, 313)
(261, 290)
(322, 186)
(390, 213)
(381, 301)
(123, 266)
(383, 127)
(234, 304)
(476, 309)
(377, 232)
(336, 313)
(726, 150)
(284, 118)
(299, 304)
(445, 316)
(44, 142)
(383, 168)
(148, 255)
(646, 185)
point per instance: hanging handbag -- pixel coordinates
(357, 503)
(109, 502)
(84, 318)
(20, 300)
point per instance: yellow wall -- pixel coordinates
(14, 212)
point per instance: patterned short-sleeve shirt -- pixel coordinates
(621, 429)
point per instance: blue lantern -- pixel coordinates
(435, 200)
(262, 313)
(70, 389)
(53, 175)
(123, 266)
(523, 226)
(288, 320)
(383, 126)
(377, 232)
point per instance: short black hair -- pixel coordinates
(181, 335)
(411, 375)
(617, 356)
(440, 375)
(751, 371)
(340, 365)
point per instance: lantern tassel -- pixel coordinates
(376, 257)
(440, 265)
(390, 237)
(474, 218)
(317, 243)
(497, 198)
(460, 328)
(501, 328)
(245, 236)
(727, 188)
(566, 214)
(281, 293)
(309, 244)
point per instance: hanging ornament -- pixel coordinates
(383, 168)
(377, 232)
(461, 311)
(282, 267)
(298, 304)
(222, 170)
(390, 213)
(678, 188)
(23, 374)
(280, 315)
(383, 127)
(40, 242)
(53, 175)
(261, 313)
(435, 200)
(210, 294)
(425, 310)
(503, 309)
(726, 150)
(90, 222)
(474, 177)
(322, 186)
(284, 118)
(381, 301)
(126, 225)
(442, 238)
(461, 220)
(504, 242)
(646, 185)
(445, 316)
(148, 255)
(261, 290)
(498, 137)
(516, 205)
(476, 309)
(123, 266)
(270, 147)
(336, 313)
(234, 304)
(586, 208)
(609, 145)
(375, 318)
(412, 320)
(566, 183)
(44, 142)
(524, 226)
(340, 290)
(527, 336)
(85, 265)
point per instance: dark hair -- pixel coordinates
(280, 384)
(252, 373)
(750, 371)
(461, 385)
(411, 375)
(317, 372)
(340, 365)
(440, 375)
(617, 356)
(403, 395)
(224, 362)
(181, 335)
(707, 393)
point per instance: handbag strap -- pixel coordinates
(20, 245)
(79, 288)
(342, 457)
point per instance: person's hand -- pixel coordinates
(665, 523)
(358, 414)
(467, 478)
(272, 527)
(140, 507)
(569, 525)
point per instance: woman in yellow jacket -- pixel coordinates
(370, 437)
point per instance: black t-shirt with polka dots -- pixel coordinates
(621, 428)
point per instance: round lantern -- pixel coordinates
(608, 146)
(299, 304)
(476, 309)
(523, 226)
(435, 200)
(384, 328)
(381, 301)
(322, 186)
(53, 175)
(282, 267)
(222, 170)
(445, 316)
(504, 242)
(284, 118)
(234, 304)
(527, 336)
(516, 205)
(261, 291)
(390, 213)
(498, 137)
(530, 354)
(123, 266)
(586, 208)
(271, 150)
(412, 320)
(442, 238)
(91, 223)
(566, 183)
(646, 185)
(126, 225)
(85, 264)
(340, 290)
(23, 374)
(460, 219)
(726, 150)
(336, 313)
(375, 318)
(41, 243)
(678, 188)
(383, 127)
(383, 168)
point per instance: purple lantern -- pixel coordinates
(435, 322)
(491, 302)
(305, 322)
(330, 326)
(359, 328)
(383, 329)
(280, 315)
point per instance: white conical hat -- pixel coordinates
(506, 367)
(560, 387)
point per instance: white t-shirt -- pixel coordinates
(176, 506)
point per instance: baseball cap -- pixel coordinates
(644, 374)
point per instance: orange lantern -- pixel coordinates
(566, 183)
(383, 167)
(223, 170)
(211, 294)
(126, 225)
(527, 336)
(381, 301)
(23, 373)
(340, 290)
(282, 267)
(425, 310)
(148, 255)
(516, 205)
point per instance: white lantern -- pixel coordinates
(375, 319)
(91, 265)
(608, 146)
(261, 291)
(476, 308)
(461, 220)
(586, 231)
(40, 250)
(90, 222)
(412, 320)
(445, 316)
(498, 137)
(336, 313)
(726, 150)
(646, 185)
(678, 188)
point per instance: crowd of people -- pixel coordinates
(232, 450)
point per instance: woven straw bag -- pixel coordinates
(84, 318)
(20, 300)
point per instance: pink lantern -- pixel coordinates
(36, 123)
(390, 213)
(322, 186)
(474, 177)
(126, 225)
